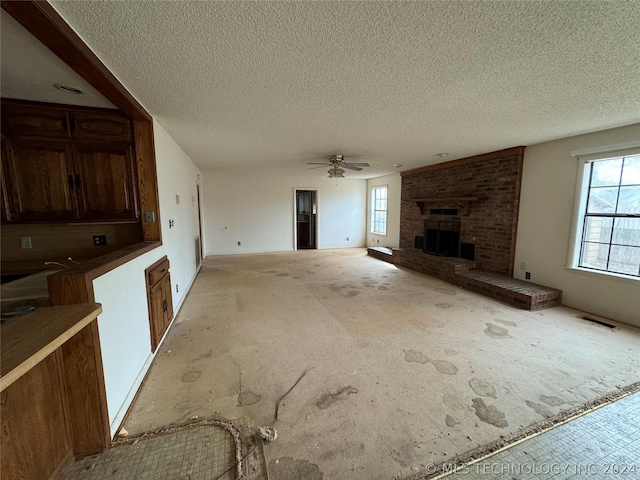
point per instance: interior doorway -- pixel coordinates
(306, 219)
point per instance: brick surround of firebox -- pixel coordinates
(491, 183)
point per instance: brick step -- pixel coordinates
(526, 295)
(381, 253)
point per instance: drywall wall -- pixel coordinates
(545, 222)
(392, 238)
(178, 178)
(258, 211)
(125, 338)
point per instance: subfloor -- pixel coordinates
(406, 370)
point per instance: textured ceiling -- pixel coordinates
(267, 86)
(29, 70)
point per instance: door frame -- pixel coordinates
(295, 215)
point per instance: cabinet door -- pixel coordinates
(168, 298)
(4, 193)
(34, 120)
(105, 181)
(100, 126)
(39, 180)
(156, 314)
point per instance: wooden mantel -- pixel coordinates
(462, 202)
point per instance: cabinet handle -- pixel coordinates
(78, 183)
(70, 180)
(163, 270)
(165, 306)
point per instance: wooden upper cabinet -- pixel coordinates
(67, 163)
(103, 126)
(39, 180)
(105, 181)
(34, 120)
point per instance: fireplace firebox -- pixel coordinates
(442, 238)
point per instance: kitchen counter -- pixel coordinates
(29, 339)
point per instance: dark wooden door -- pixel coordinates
(40, 186)
(305, 219)
(105, 181)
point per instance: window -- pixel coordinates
(379, 210)
(610, 239)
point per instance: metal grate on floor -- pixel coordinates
(194, 452)
(601, 444)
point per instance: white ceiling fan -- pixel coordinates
(338, 164)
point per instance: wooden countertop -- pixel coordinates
(27, 340)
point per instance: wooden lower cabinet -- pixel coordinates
(35, 440)
(160, 300)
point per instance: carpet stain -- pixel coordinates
(481, 388)
(282, 274)
(383, 287)
(552, 400)
(328, 399)
(445, 290)
(539, 408)
(489, 413)
(343, 291)
(288, 468)
(248, 398)
(348, 450)
(506, 322)
(444, 305)
(442, 366)
(209, 354)
(453, 402)
(495, 331)
(451, 422)
(191, 376)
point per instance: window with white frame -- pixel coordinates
(610, 217)
(379, 210)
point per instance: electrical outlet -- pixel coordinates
(527, 275)
(176, 288)
(149, 217)
(25, 242)
(523, 266)
(346, 239)
(99, 240)
(239, 243)
(377, 240)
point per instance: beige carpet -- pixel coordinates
(408, 370)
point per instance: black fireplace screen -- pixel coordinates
(442, 238)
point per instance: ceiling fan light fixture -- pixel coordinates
(335, 172)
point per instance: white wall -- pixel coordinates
(258, 211)
(545, 222)
(125, 336)
(177, 175)
(392, 238)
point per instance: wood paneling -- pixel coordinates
(100, 127)
(54, 242)
(147, 179)
(34, 440)
(27, 340)
(84, 381)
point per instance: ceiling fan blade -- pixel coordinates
(351, 167)
(319, 163)
(357, 164)
(321, 166)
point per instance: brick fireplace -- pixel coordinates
(471, 206)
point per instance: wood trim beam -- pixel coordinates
(508, 152)
(147, 180)
(46, 24)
